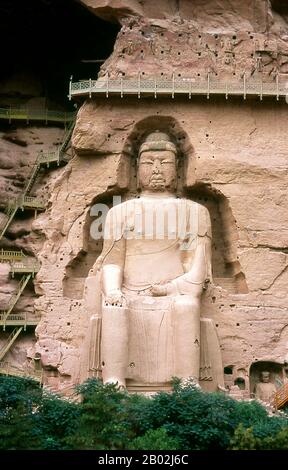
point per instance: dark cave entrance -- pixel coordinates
(44, 42)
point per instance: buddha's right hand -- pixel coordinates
(159, 290)
(115, 298)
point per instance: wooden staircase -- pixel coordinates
(11, 339)
(15, 297)
(19, 262)
(281, 397)
(26, 201)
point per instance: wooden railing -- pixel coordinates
(29, 114)
(48, 157)
(185, 86)
(20, 319)
(28, 265)
(11, 255)
(7, 368)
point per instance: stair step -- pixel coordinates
(11, 339)
(15, 297)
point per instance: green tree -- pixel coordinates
(56, 421)
(277, 442)
(19, 400)
(106, 417)
(154, 439)
(197, 420)
(244, 439)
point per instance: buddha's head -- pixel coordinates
(265, 376)
(157, 163)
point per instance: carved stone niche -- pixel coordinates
(144, 369)
(277, 374)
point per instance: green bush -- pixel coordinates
(15, 391)
(245, 439)
(197, 420)
(19, 400)
(249, 413)
(277, 442)
(56, 421)
(269, 427)
(108, 418)
(154, 439)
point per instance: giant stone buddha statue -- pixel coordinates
(144, 292)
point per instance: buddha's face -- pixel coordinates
(265, 377)
(157, 170)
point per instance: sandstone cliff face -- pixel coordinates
(237, 167)
(191, 38)
(19, 148)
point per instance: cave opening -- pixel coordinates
(44, 42)
(280, 7)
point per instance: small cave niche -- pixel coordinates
(277, 373)
(228, 375)
(226, 269)
(240, 382)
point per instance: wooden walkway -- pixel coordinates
(45, 115)
(8, 369)
(184, 87)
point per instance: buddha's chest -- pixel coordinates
(159, 220)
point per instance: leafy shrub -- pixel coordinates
(19, 399)
(245, 439)
(56, 420)
(154, 439)
(108, 418)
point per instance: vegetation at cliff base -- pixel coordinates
(102, 417)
